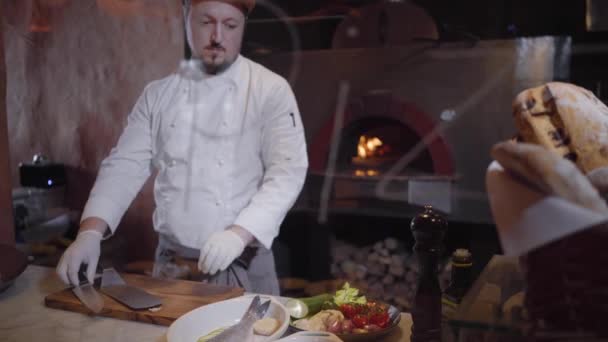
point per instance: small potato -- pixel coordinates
(266, 326)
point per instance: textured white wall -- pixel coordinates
(84, 75)
(71, 89)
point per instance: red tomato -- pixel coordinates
(359, 308)
(360, 321)
(379, 318)
(348, 310)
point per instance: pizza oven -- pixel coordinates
(356, 180)
(378, 131)
(370, 146)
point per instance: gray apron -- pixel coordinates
(254, 270)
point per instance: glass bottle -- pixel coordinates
(460, 282)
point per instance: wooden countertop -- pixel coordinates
(23, 317)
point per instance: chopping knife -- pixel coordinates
(86, 293)
(134, 298)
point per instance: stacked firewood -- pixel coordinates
(385, 271)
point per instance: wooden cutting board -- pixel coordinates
(178, 297)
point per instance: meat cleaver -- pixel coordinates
(134, 298)
(86, 293)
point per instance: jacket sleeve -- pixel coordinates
(125, 170)
(285, 163)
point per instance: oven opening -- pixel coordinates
(372, 145)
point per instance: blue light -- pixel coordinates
(49, 182)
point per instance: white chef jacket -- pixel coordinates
(229, 149)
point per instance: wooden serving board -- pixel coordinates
(178, 297)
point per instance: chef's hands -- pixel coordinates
(222, 248)
(84, 250)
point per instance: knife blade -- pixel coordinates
(134, 298)
(86, 293)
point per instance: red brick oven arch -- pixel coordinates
(383, 106)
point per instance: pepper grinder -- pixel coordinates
(429, 229)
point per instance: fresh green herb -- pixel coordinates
(348, 295)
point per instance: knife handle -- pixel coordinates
(82, 275)
(244, 260)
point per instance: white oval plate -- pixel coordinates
(200, 322)
(311, 336)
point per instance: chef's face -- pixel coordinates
(216, 34)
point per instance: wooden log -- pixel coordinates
(378, 246)
(391, 244)
(373, 257)
(385, 260)
(376, 290)
(376, 269)
(361, 255)
(348, 267)
(397, 271)
(360, 272)
(398, 260)
(403, 303)
(388, 279)
(411, 277)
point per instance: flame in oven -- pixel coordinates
(369, 147)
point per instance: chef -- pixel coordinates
(227, 141)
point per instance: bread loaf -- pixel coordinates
(566, 119)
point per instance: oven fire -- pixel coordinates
(369, 149)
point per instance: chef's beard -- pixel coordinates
(215, 69)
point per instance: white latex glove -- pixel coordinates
(84, 250)
(599, 179)
(220, 250)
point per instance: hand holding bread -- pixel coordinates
(563, 135)
(562, 151)
(566, 119)
(549, 172)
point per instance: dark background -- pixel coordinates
(491, 19)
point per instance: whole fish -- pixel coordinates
(243, 330)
